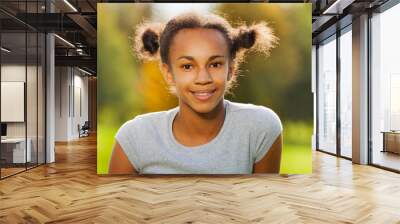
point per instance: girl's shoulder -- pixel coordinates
(257, 115)
(252, 110)
(146, 120)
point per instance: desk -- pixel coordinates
(391, 141)
(16, 151)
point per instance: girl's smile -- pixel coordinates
(203, 94)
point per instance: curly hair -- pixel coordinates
(153, 40)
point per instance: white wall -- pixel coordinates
(61, 103)
(80, 110)
(71, 94)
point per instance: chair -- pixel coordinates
(84, 130)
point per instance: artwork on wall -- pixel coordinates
(12, 101)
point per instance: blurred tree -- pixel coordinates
(154, 89)
(283, 80)
(118, 100)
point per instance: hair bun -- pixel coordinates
(150, 41)
(246, 38)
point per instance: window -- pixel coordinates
(385, 88)
(327, 95)
(346, 92)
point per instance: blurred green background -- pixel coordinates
(282, 82)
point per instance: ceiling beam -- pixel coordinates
(337, 7)
(83, 61)
(84, 24)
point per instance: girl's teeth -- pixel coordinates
(203, 96)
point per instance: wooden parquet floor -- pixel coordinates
(70, 191)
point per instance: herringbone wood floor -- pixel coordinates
(70, 191)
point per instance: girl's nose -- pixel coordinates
(203, 77)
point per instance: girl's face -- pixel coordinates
(199, 68)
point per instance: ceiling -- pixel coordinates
(76, 22)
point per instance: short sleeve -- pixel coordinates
(126, 136)
(269, 127)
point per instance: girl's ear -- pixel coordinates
(168, 76)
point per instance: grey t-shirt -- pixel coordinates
(246, 136)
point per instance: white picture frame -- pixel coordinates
(12, 101)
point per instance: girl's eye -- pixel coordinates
(187, 67)
(216, 65)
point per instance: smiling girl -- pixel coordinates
(206, 134)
